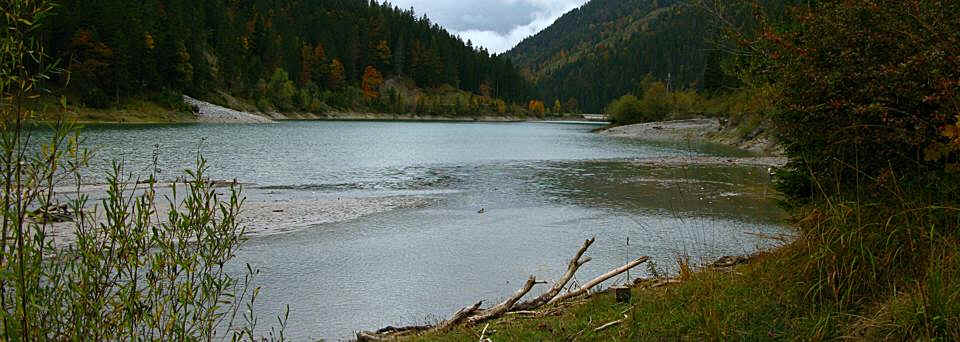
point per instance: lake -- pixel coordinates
(382, 221)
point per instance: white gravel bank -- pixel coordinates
(211, 113)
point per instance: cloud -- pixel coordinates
(497, 25)
(546, 14)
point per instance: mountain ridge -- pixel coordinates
(605, 48)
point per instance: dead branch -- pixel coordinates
(498, 310)
(483, 333)
(459, 316)
(395, 330)
(586, 287)
(474, 315)
(665, 282)
(390, 333)
(365, 336)
(558, 286)
(610, 324)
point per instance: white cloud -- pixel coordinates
(547, 13)
(497, 25)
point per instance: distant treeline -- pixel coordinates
(116, 49)
(606, 48)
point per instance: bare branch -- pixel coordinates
(459, 316)
(586, 287)
(498, 310)
(572, 268)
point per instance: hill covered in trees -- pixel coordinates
(292, 55)
(605, 48)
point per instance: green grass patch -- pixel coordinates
(775, 297)
(148, 109)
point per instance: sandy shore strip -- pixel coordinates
(264, 215)
(269, 218)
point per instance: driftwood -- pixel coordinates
(459, 316)
(572, 268)
(610, 324)
(475, 315)
(498, 310)
(590, 284)
(393, 330)
(366, 336)
(390, 333)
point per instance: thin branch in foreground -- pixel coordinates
(596, 281)
(572, 268)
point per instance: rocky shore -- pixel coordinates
(211, 113)
(679, 130)
(702, 131)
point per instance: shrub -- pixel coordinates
(281, 90)
(94, 97)
(870, 89)
(128, 275)
(627, 109)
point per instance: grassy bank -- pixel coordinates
(161, 109)
(131, 111)
(771, 298)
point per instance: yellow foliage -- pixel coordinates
(536, 107)
(372, 79)
(951, 131)
(148, 41)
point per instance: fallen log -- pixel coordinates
(558, 286)
(459, 316)
(590, 284)
(365, 336)
(394, 330)
(501, 308)
(473, 314)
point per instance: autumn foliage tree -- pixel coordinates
(536, 107)
(870, 93)
(90, 61)
(372, 79)
(335, 75)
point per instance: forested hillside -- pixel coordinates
(605, 48)
(286, 55)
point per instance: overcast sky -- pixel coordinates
(497, 25)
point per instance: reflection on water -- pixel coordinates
(543, 188)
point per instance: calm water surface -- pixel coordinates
(544, 189)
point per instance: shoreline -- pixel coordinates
(321, 117)
(698, 130)
(203, 112)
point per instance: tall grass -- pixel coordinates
(133, 272)
(889, 258)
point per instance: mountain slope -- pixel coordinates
(288, 52)
(605, 48)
